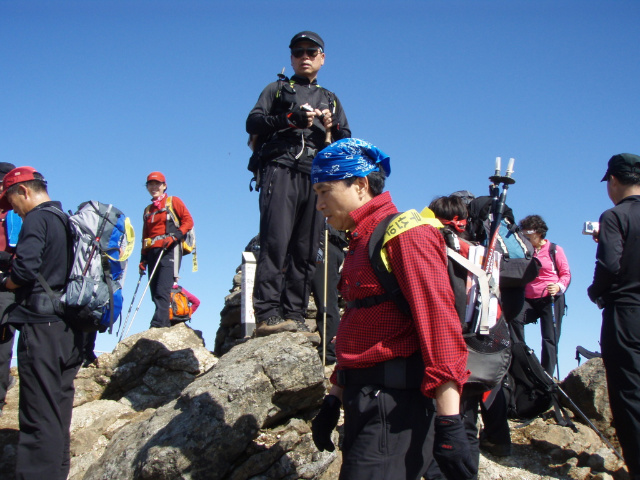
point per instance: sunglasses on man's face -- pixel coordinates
(312, 52)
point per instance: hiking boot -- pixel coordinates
(275, 324)
(302, 326)
(495, 449)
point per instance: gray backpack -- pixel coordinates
(102, 240)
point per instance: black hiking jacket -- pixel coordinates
(617, 273)
(268, 118)
(42, 248)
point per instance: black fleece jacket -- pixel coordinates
(42, 248)
(268, 118)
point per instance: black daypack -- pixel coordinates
(529, 390)
(489, 353)
(518, 265)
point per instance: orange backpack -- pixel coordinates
(179, 309)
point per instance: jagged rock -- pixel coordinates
(174, 355)
(203, 433)
(587, 388)
(234, 299)
(230, 317)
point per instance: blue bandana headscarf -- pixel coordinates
(349, 157)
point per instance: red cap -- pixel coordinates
(15, 176)
(157, 176)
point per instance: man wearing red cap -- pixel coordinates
(292, 121)
(163, 229)
(49, 351)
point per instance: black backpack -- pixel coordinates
(518, 265)
(489, 354)
(529, 390)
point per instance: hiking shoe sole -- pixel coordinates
(263, 330)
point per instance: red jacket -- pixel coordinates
(155, 222)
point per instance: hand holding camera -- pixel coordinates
(591, 228)
(302, 118)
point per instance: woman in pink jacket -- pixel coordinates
(544, 296)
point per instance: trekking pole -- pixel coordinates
(584, 417)
(327, 139)
(324, 300)
(145, 291)
(126, 320)
(498, 203)
(555, 332)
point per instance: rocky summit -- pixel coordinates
(162, 406)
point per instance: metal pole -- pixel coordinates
(145, 291)
(555, 333)
(584, 417)
(324, 300)
(126, 320)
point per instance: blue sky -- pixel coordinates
(96, 95)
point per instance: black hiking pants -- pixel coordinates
(540, 309)
(289, 238)
(620, 341)
(49, 356)
(386, 433)
(162, 281)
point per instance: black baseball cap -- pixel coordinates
(622, 163)
(5, 167)
(309, 36)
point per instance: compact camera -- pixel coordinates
(591, 228)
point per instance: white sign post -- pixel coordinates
(248, 277)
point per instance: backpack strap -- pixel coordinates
(55, 296)
(172, 213)
(552, 254)
(387, 279)
(484, 288)
(388, 228)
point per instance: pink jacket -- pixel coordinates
(548, 274)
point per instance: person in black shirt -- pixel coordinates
(292, 120)
(616, 289)
(49, 351)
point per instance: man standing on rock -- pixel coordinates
(291, 121)
(49, 351)
(391, 364)
(616, 288)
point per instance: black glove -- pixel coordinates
(451, 448)
(325, 422)
(298, 118)
(5, 260)
(179, 236)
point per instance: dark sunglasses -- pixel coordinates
(312, 52)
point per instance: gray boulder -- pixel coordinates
(587, 388)
(210, 429)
